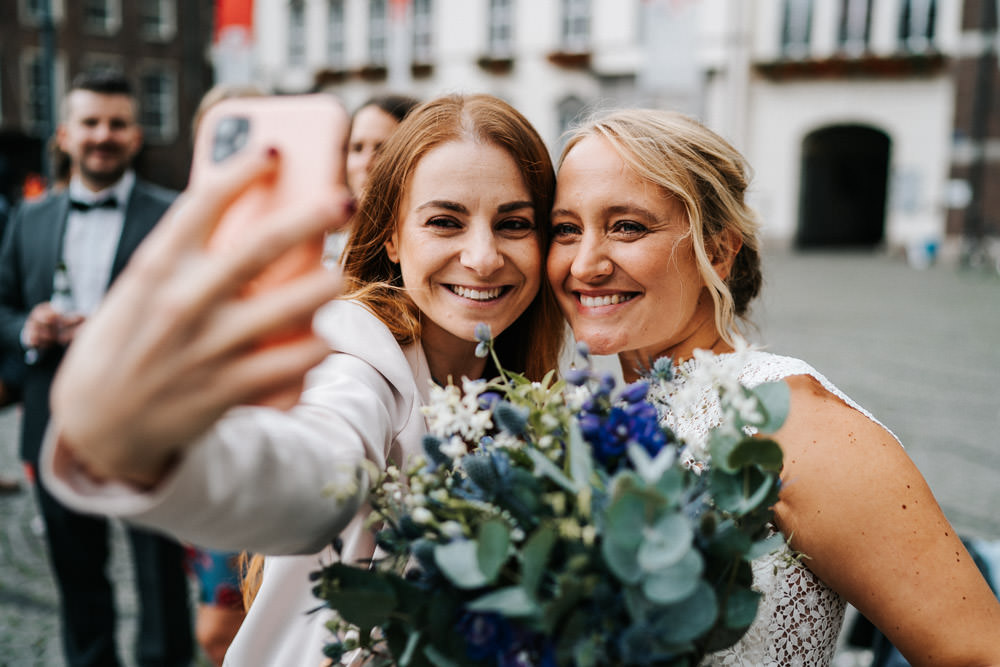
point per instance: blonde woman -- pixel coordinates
(655, 253)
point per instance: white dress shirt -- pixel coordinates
(91, 240)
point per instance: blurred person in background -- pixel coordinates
(371, 125)
(58, 259)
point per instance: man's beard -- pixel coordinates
(104, 177)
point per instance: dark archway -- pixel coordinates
(845, 175)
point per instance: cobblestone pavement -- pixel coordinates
(917, 348)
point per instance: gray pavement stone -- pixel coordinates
(917, 348)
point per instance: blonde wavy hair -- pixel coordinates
(709, 178)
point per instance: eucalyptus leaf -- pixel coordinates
(666, 542)
(581, 464)
(762, 452)
(512, 602)
(626, 520)
(546, 468)
(729, 542)
(361, 597)
(671, 485)
(622, 561)
(774, 399)
(741, 608)
(676, 582)
(493, 543)
(459, 562)
(535, 556)
(720, 445)
(690, 618)
(742, 492)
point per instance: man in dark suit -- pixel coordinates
(86, 234)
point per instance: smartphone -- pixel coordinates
(311, 133)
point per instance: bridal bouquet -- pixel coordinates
(562, 523)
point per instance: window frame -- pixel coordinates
(422, 43)
(575, 25)
(165, 106)
(336, 34)
(500, 29)
(796, 28)
(111, 23)
(910, 39)
(378, 33)
(166, 15)
(848, 39)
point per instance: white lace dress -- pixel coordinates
(799, 618)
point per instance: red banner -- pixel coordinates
(233, 14)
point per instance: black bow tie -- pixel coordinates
(109, 202)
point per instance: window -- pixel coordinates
(157, 20)
(335, 46)
(500, 41)
(855, 26)
(916, 24)
(157, 95)
(378, 28)
(796, 28)
(101, 16)
(575, 25)
(296, 33)
(423, 31)
(37, 93)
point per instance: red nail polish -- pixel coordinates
(351, 206)
(272, 152)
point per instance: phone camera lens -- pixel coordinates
(231, 135)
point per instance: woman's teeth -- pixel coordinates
(606, 300)
(476, 294)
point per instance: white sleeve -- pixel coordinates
(264, 480)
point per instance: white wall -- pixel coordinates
(916, 115)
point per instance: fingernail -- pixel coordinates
(272, 152)
(350, 206)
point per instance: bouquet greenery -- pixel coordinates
(562, 523)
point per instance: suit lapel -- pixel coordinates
(51, 245)
(141, 214)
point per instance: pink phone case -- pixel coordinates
(311, 133)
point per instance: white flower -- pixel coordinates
(422, 516)
(452, 529)
(454, 447)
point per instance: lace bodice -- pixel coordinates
(799, 618)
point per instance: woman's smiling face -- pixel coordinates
(466, 242)
(622, 262)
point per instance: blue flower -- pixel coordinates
(609, 434)
(577, 376)
(488, 399)
(486, 635)
(482, 333)
(663, 369)
(635, 392)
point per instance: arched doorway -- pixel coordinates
(845, 174)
